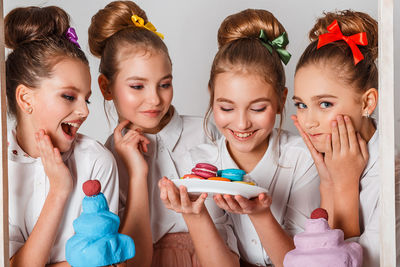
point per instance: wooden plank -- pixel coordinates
(4, 255)
(386, 130)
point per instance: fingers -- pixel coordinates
(118, 130)
(187, 205)
(221, 202)
(233, 204)
(144, 142)
(57, 155)
(265, 200)
(335, 137)
(352, 135)
(178, 199)
(45, 146)
(132, 138)
(343, 133)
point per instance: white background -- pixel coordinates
(190, 29)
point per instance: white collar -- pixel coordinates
(17, 154)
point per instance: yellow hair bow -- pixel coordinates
(139, 22)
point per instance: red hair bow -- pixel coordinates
(335, 34)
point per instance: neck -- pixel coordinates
(247, 161)
(368, 129)
(26, 140)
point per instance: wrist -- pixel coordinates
(346, 188)
(265, 213)
(58, 196)
(195, 216)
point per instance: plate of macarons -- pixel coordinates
(206, 178)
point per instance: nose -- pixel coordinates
(244, 122)
(82, 109)
(153, 97)
(311, 120)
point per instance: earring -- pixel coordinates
(29, 110)
(367, 114)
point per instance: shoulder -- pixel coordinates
(88, 149)
(294, 146)
(194, 128)
(295, 155)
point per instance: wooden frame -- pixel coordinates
(4, 254)
(386, 129)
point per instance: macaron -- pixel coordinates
(232, 174)
(205, 170)
(219, 179)
(192, 176)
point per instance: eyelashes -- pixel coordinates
(71, 98)
(255, 110)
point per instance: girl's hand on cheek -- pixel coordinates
(316, 155)
(242, 205)
(130, 147)
(347, 154)
(59, 175)
(177, 199)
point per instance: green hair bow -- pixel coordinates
(277, 44)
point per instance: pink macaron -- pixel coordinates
(205, 170)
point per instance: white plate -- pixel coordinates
(211, 187)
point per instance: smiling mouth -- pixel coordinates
(70, 128)
(243, 135)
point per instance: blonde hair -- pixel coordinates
(240, 49)
(112, 30)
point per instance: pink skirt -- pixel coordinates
(175, 250)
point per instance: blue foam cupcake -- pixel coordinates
(96, 241)
(232, 174)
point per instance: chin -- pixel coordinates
(241, 147)
(320, 148)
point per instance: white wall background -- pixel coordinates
(190, 29)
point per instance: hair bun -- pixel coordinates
(350, 22)
(114, 17)
(26, 24)
(247, 24)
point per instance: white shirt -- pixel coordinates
(287, 171)
(28, 188)
(369, 206)
(168, 156)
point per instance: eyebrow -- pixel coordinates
(76, 89)
(317, 97)
(261, 99)
(138, 78)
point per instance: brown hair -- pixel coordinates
(37, 37)
(240, 49)
(112, 30)
(338, 55)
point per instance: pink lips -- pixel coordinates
(151, 113)
(314, 136)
